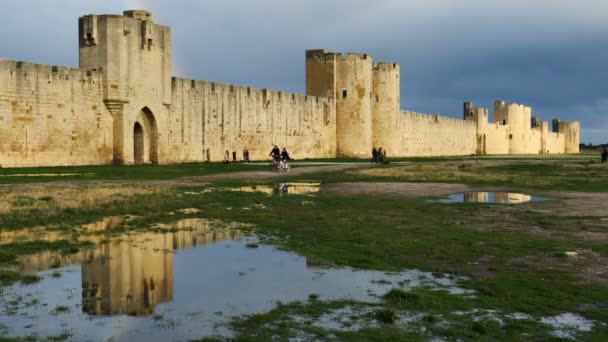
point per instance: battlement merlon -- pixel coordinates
(386, 66)
(321, 55)
(138, 15)
(354, 56)
(502, 104)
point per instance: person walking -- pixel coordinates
(374, 155)
(234, 156)
(226, 157)
(380, 155)
(605, 156)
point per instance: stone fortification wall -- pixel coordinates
(434, 135)
(52, 116)
(219, 117)
(555, 143)
(496, 138)
(123, 107)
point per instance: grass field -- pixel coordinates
(515, 257)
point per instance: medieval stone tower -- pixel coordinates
(134, 56)
(367, 98)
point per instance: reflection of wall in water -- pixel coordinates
(135, 274)
(128, 277)
(505, 197)
(282, 188)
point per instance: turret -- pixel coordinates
(386, 106)
(133, 53)
(571, 131)
(348, 79)
(353, 105)
(518, 118)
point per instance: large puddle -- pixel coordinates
(490, 197)
(280, 189)
(178, 285)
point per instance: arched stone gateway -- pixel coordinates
(145, 138)
(138, 143)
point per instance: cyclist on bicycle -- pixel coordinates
(285, 155)
(276, 156)
(285, 158)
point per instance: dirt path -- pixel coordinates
(186, 181)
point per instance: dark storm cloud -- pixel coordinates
(548, 54)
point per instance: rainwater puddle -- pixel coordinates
(180, 285)
(44, 234)
(281, 189)
(490, 197)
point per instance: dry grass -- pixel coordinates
(435, 171)
(51, 199)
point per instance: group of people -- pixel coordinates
(604, 156)
(234, 160)
(276, 154)
(280, 159)
(378, 155)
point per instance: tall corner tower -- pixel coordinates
(386, 107)
(353, 105)
(518, 118)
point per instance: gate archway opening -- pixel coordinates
(145, 138)
(138, 143)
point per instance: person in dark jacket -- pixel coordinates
(605, 156)
(374, 155)
(285, 155)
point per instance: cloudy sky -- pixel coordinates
(548, 54)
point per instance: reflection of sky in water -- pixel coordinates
(206, 285)
(489, 197)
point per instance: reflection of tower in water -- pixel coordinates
(476, 197)
(131, 276)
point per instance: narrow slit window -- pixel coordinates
(344, 94)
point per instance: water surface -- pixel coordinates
(179, 285)
(490, 197)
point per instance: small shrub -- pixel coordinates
(313, 296)
(400, 297)
(29, 279)
(430, 319)
(61, 309)
(386, 316)
(252, 245)
(23, 201)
